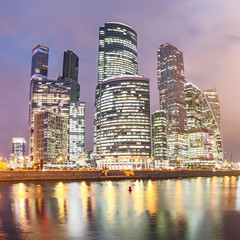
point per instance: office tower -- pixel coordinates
(123, 122)
(77, 133)
(19, 146)
(39, 70)
(50, 138)
(171, 81)
(193, 99)
(51, 95)
(57, 97)
(117, 55)
(200, 147)
(159, 138)
(212, 120)
(117, 51)
(70, 65)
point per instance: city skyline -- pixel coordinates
(17, 119)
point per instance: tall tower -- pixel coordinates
(123, 122)
(117, 51)
(39, 69)
(193, 99)
(212, 120)
(159, 138)
(70, 65)
(170, 73)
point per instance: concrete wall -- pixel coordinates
(98, 175)
(177, 174)
(49, 175)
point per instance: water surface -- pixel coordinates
(195, 208)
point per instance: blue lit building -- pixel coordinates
(39, 69)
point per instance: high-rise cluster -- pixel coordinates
(193, 117)
(56, 115)
(185, 129)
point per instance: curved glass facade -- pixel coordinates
(117, 51)
(123, 121)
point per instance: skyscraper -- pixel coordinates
(159, 138)
(171, 81)
(212, 120)
(123, 122)
(70, 65)
(58, 97)
(77, 132)
(117, 56)
(193, 99)
(50, 138)
(117, 51)
(39, 69)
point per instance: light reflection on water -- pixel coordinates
(196, 208)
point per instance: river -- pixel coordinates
(191, 208)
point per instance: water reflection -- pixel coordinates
(197, 208)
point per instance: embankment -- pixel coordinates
(111, 175)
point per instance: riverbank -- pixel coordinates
(106, 175)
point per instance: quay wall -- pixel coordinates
(182, 174)
(103, 175)
(48, 175)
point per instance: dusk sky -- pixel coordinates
(207, 32)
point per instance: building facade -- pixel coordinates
(193, 99)
(59, 97)
(39, 69)
(77, 133)
(123, 122)
(50, 138)
(117, 51)
(170, 73)
(200, 147)
(159, 139)
(70, 65)
(212, 120)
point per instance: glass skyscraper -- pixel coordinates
(50, 138)
(60, 97)
(77, 133)
(212, 120)
(117, 51)
(159, 138)
(193, 99)
(39, 69)
(123, 122)
(170, 72)
(70, 65)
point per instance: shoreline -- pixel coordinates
(113, 175)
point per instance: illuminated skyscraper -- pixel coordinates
(70, 65)
(159, 138)
(212, 120)
(193, 99)
(51, 95)
(60, 97)
(117, 51)
(123, 121)
(77, 133)
(50, 138)
(117, 56)
(39, 70)
(171, 81)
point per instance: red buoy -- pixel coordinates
(129, 188)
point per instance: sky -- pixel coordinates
(207, 32)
